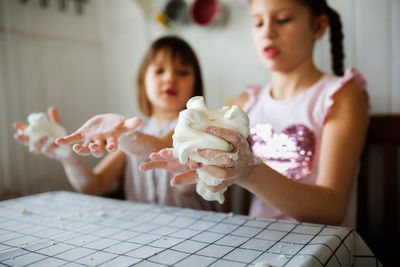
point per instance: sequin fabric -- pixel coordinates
(291, 152)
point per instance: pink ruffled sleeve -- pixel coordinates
(252, 91)
(336, 84)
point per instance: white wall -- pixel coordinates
(47, 58)
(86, 64)
(226, 52)
(228, 57)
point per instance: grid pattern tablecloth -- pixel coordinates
(70, 229)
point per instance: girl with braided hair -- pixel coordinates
(307, 128)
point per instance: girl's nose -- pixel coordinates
(270, 30)
(169, 75)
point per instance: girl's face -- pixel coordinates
(283, 33)
(169, 84)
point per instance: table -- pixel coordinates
(70, 229)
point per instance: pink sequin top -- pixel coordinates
(285, 134)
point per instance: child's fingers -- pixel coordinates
(96, 152)
(193, 165)
(23, 139)
(53, 115)
(163, 154)
(152, 165)
(97, 148)
(19, 126)
(228, 135)
(132, 123)
(218, 172)
(40, 143)
(81, 150)
(112, 144)
(185, 178)
(156, 156)
(167, 153)
(217, 188)
(50, 150)
(217, 157)
(69, 139)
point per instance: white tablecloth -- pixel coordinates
(70, 229)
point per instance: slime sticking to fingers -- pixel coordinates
(39, 127)
(190, 136)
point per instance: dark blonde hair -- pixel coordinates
(179, 49)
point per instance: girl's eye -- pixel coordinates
(159, 71)
(183, 72)
(283, 21)
(258, 23)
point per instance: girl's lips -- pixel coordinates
(170, 92)
(271, 51)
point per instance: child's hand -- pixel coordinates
(40, 146)
(99, 133)
(229, 166)
(165, 160)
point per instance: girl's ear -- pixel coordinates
(319, 26)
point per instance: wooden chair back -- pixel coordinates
(378, 188)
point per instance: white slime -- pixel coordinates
(190, 135)
(40, 126)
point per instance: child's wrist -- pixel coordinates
(71, 159)
(246, 180)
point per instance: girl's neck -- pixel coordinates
(288, 84)
(162, 117)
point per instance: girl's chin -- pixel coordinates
(274, 65)
(173, 108)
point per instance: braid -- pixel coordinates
(336, 39)
(319, 7)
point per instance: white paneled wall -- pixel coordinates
(86, 64)
(394, 37)
(48, 58)
(372, 52)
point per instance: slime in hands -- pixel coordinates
(190, 135)
(39, 127)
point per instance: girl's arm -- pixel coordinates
(342, 141)
(138, 143)
(241, 100)
(109, 131)
(82, 178)
(98, 134)
(97, 181)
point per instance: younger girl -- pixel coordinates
(169, 75)
(307, 127)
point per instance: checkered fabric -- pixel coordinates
(70, 229)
